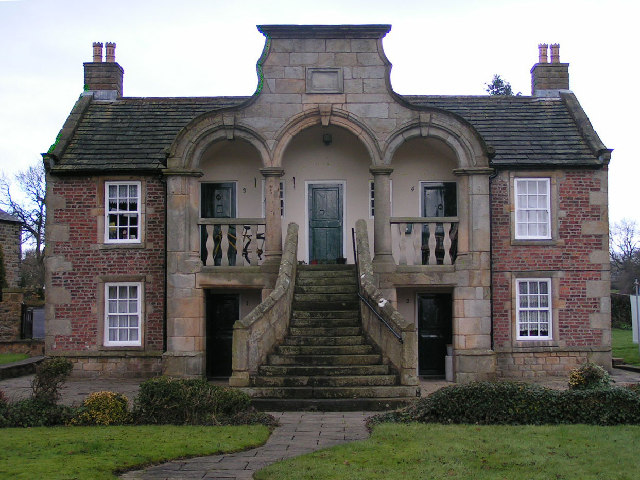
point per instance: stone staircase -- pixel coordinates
(325, 362)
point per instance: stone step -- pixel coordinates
(329, 405)
(324, 381)
(324, 331)
(311, 360)
(326, 341)
(332, 268)
(327, 298)
(304, 370)
(316, 280)
(324, 322)
(332, 392)
(324, 350)
(326, 314)
(327, 289)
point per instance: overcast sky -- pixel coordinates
(207, 48)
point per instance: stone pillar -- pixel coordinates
(381, 226)
(273, 220)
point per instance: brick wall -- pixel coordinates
(576, 259)
(79, 263)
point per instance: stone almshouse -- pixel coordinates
(183, 233)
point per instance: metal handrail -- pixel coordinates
(362, 297)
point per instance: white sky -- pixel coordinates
(210, 48)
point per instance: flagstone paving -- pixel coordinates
(298, 433)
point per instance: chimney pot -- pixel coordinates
(542, 53)
(97, 52)
(555, 53)
(111, 52)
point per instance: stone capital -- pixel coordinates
(380, 170)
(272, 171)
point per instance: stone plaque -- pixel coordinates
(324, 80)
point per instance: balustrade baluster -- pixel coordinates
(224, 245)
(209, 243)
(432, 244)
(447, 244)
(402, 257)
(416, 237)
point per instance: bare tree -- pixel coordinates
(624, 250)
(29, 206)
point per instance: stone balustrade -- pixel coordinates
(256, 335)
(232, 241)
(424, 240)
(403, 355)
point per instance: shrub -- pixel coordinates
(103, 408)
(186, 401)
(620, 311)
(514, 403)
(35, 413)
(589, 376)
(50, 375)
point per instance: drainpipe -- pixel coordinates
(164, 316)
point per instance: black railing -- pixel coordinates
(362, 297)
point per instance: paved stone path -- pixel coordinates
(298, 433)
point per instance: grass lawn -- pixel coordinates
(12, 357)
(623, 346)
(418, 451)
(94, 453)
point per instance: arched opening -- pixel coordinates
(326, 187)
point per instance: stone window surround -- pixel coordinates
(540, 309)
(554, 213)
(553, 340)
(102, 209)
(107, 212)
(102, 319)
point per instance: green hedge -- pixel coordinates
(514, 403)
(164, 400)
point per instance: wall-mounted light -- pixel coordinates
(327, 139)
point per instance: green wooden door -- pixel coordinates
(325, 222)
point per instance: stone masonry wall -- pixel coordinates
(577, 261)
(10, 241)
(79, 263)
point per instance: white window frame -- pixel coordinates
(544, 209)
(264, 198)
(372, 195)
(536, 310)
(128, 313)
(137, 212)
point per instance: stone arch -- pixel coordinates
(330, 116)
(462, 138)
(194, 139)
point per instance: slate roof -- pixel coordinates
(133, 133)
(5, 217)
(136, 133)
(522, 130)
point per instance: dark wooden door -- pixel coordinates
(218, 200)
(222, 311)
(325, 222)
(434, 333)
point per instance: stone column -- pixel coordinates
(381, 226)
(273, 220)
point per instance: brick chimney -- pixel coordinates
(103, 80)
(548, 79)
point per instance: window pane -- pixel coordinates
(133, 335)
